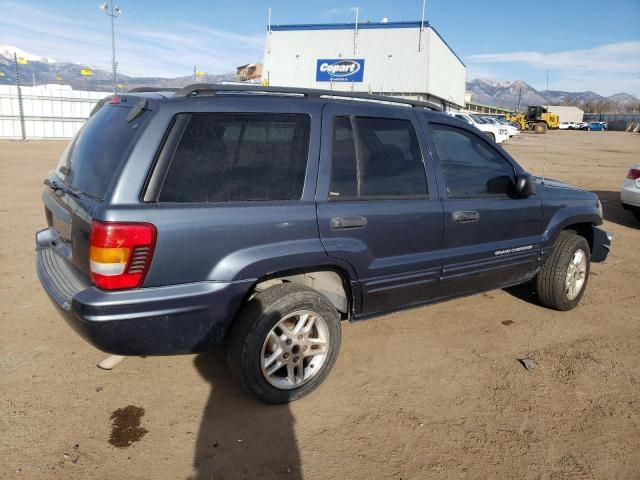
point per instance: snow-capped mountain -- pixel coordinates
(47, 70)
(7, 51)
(505, 94)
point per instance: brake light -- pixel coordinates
(115, 100)
(120, 253)
(634, 174)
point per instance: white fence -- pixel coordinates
(50, 111)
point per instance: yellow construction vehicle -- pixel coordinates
(536, 118)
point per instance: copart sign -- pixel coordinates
(340, 70)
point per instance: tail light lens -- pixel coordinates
(120, 253)
(634, 174)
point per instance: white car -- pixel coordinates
(498, 134)
(630, 195)
(568, 126)
(513, 131)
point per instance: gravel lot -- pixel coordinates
(435, 392)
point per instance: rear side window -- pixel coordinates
(224, 157)
(375, 157)
(91, 160)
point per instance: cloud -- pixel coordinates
(333, 13)
(142, 49)
(607, 69)
(613, 57)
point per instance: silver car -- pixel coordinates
(630, 195)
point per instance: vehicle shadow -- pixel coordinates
(613, 211)
(524, 291)
(240, 437)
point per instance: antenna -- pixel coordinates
(546, 141)
(355, 33)
(269, 31)
(424, 6)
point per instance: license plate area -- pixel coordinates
(62, 227)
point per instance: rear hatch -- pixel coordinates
(85, 171)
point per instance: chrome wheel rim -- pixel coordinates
(295, 349)
(576, 274)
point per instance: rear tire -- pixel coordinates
(563, 278)
(284, 343)
(636, 213)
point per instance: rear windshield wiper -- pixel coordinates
(57, 187)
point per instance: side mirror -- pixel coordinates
(525, 185)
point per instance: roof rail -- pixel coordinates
(213, 88)
(152, 89)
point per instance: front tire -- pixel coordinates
(284, 343)
(563, 278)
(540, 128)
(491, 136)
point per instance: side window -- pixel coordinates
(375, 157)
(471, 167)
(225, 157)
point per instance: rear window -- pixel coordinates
(90, 161)
(224, 157)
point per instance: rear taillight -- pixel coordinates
(120, 253)
(634, 174)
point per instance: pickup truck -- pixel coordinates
(258, 218)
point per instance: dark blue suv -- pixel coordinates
(260, 217)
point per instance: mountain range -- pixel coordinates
(42, 70)
(512, 94)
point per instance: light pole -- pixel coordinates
(113, 11)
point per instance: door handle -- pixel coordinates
(465, 216)
(344, 223)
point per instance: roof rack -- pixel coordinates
(213, 89)
(152, 89)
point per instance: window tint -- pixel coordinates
(470, 166)
(239, 157)
(376, 157)
(91, 160)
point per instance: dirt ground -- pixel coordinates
(435, 392)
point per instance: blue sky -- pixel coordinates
(586, 45)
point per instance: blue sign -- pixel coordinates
(340, 70)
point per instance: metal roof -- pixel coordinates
(347, 26)
(361, 26)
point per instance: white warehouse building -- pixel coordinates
(566, 113)
(407, 59)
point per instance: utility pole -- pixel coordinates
(547, 79)
(20, 107)
(112, 11)
(519, 98)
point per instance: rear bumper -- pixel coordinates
(186, 318)
(630, 195)
(601, 244)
